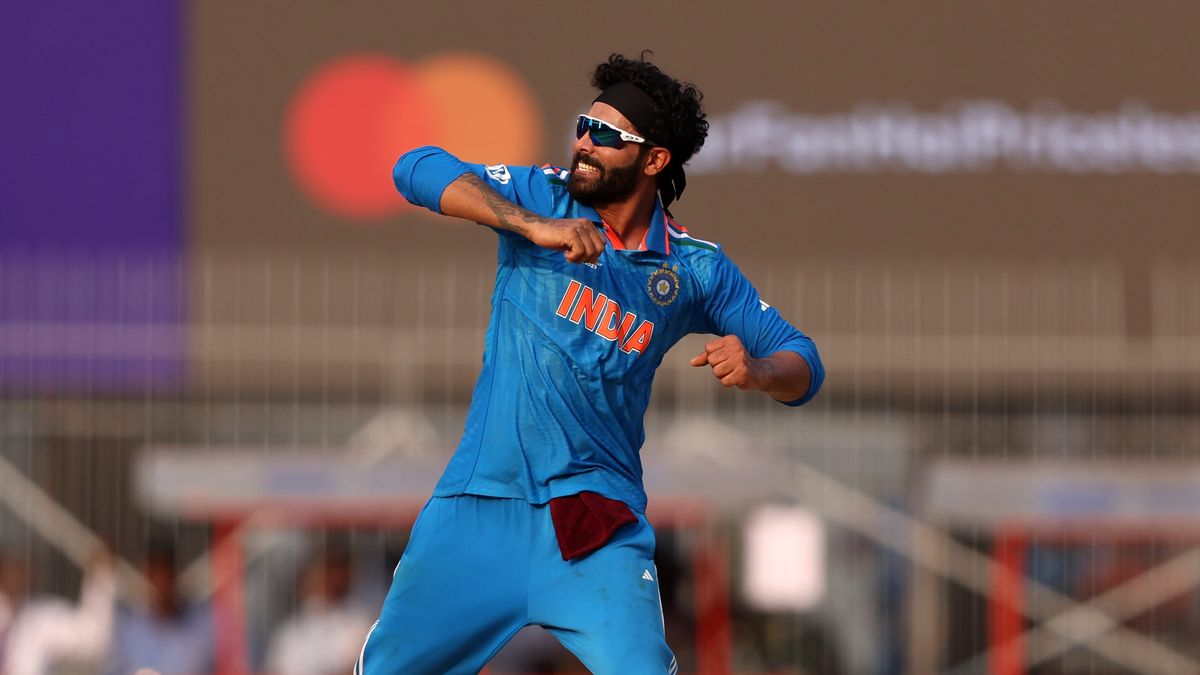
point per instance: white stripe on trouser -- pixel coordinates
(358, 665)
(674, 667)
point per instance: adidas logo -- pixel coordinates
(646, 575)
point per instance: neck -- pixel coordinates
(630, 219)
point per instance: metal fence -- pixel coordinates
(941, 375)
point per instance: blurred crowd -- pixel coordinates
(98, 633)
(309, 607)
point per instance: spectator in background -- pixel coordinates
(13, 586)
(325, 635)
(168, 635)
(44, 635)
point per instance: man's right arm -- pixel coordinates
(435, 179)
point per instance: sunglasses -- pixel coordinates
(604, 134)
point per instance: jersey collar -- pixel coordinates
(656, 239)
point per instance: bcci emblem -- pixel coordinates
(663, 286)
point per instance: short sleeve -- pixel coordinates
(733, 307)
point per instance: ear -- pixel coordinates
(656, 160)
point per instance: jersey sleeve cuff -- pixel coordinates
(816, 373)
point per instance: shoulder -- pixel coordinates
(701, 255)
(541, 189)
(549, 182)
(555, 175)
(690, 245)
(701, 258)
(531, 176)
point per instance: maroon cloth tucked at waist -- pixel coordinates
(586, 521)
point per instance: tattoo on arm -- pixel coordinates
(509, 216)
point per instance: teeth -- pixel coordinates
(585, 168)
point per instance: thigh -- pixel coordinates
(606, 608)
(458, 594)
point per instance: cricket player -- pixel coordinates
(540, 515)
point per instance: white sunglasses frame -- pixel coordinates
(625, 135)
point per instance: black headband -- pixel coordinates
(635, 104)
(637, 107)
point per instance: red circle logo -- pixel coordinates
(355, 115)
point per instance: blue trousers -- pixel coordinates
(478, 569)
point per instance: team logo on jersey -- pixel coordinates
(498, 173)
(663, 285)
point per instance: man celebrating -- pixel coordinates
(539, 517)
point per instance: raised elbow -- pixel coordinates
(816, 371)
(404, 172)
(421, 174)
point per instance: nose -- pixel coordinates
(584, 143)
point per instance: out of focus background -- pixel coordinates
(233, 361)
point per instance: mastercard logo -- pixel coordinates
(353, 116)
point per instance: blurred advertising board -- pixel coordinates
(1047, 494)
(92, 222)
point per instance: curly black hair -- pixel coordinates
(680, 125)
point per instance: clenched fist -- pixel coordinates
(578, 238)
(731, 364)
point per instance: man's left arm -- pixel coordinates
(757, 349)
(784, 375)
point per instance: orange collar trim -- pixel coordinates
(619, 245)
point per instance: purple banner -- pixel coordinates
(91, 210)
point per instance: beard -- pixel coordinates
(607, 185)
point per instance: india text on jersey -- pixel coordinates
(600, 315)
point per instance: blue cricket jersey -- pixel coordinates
(571, 349)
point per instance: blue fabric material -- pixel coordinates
(571, 349)
(478, 569)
